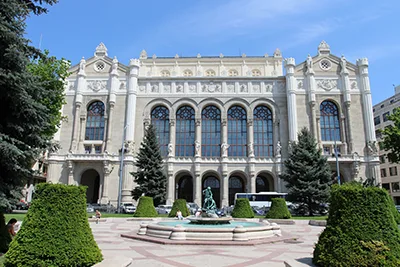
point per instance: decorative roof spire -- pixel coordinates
(101, 50)
(143, 54)
(324, 48)
(277, 53)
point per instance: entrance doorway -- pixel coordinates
(185, 188)
(91, 179)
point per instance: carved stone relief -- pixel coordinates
(354, 85)
(96, 85)
(327, 85)
(122, 86)
(71, 86)
(154, 88)
(300, 85)
(230, 87)
(243, 88)
(211, 88)
(256, 88)
(192, 88)
(268, 87)
(179, 88)
(142, 88)
(281, 86)
(167, 88)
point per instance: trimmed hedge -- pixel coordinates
(361, 229)
(55, 231)
(179, 204)
(242, 209)
(145, 208)
(278, 209)
(395, 212)
(5, 237)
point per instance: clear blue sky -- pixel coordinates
(355, 28)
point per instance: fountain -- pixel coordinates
(207, 228)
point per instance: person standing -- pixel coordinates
(98, 216)
(10, 227)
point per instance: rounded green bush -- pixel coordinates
(145, 208)
(395, 212)
(179, 204)
(242, 209)
(361, 229)
(55, 231)
(5, 237)
(278, 209)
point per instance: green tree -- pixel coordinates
(391, 137)
(307, 174)
(150, 175)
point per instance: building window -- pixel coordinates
(386, 186)
(395, 187)
(383, 173)
(187, 73)
(237, 131)
(233, 73)
(263, 132)
(256, 73)
(210, 73)
(160, 121)
(330, 127)
(391, 101)
(97, 149)
(383, 105)
(185, 132)
(95, 121)
(211, 132)
(382, 159)
(393, 171)
(386, 116)
(377, 120)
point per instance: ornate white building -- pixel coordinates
(224, 121)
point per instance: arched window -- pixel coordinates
(263, 132)
(160, 120)
(95, 121)
(185, 132)
(211, 132)
(330, 126)
(237, 132)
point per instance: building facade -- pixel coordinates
(390, 172)
(224, 122)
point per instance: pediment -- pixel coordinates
(99, 66)
(326, 65)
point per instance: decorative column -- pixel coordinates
(106, 171)
(197, 142)
(250, 138)
(134, 65)
(197, 189)
(171, 145)
(343, 135)
(81, 149)
(225, 190)
(71, 180)
(170, 164)
(344, 74)
(224, 132)
(111, 101)
(127, 180)
(291, 98)
(311, 94)
(81, 83)
(224, 163)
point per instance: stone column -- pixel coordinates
(344, 74)
(343, 134)
(311, 100)
(252, 183)
(170, 189)
(172, 133)
(319, 131)
(106, 170)
(127, 182)
(224, 132)
(109, 131)
(52, 172)
(197, 190)
(348, 127)
(111, 101)
(276, 138)
(71, 180)
(131, 103)
(291, 98)
(197, 144)
(225, 190)
(80, 148)
(250, 138)
(81, 83)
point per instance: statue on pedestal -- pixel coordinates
(209, 205)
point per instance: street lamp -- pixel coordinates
(121, 169)
(337, 155)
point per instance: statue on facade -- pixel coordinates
(224, 148)
(170, 150)
(343, 63)
(197, 148)
(278, 149)
(251, 149)
(114, 67)
(82, 65)
(209, 205)
(372, 149)
(309, 63)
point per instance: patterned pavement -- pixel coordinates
(107, 234)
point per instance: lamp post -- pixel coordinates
(121, 169)
(337, 164)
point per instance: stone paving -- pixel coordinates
(107, 234)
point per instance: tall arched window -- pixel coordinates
(160, 120)
(211, 132)
(185, 132)
(263, 132)
(237, 132)
(95, 121)
(330, 126)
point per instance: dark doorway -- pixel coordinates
(236, 185)
(185, 188)
(91, 179)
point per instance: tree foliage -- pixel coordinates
(150, 175)
(279, 209)
(31, 94)
(307, 173)
(145, 208)
(391, 137)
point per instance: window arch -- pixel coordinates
(185, 132)
(210, 73)
(187, 73)
(165, 73)
(256, 73)
(237, 131)
(160, 120)
(95, 121)
(211, 132)
(330, 125)
(263, 132)
(233, 73)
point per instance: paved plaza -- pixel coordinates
(107, 234)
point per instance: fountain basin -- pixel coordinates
(209, 220)
(235, 231)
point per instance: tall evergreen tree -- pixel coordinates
(150, 176)
(307, 173)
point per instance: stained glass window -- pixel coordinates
(160, 120)
(211, 132)
(237, 132)
(330, 126)
(95, 121)
(263, 132)
(185, 132)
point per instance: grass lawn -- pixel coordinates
(18, 216)
(1, 261)
(318, 218)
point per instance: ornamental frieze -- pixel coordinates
(327, 84)
(211, 88)
(96, 85)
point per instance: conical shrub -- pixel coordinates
(145, 208)
(361, 229)
(242, 209)
(179, 204)
(55, 231)
(278, 209)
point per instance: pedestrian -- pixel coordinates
(179, 215)
(10, 227)
(98, 216)
(198, 213)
